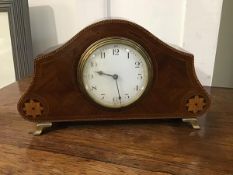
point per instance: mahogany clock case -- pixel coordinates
(55, 94)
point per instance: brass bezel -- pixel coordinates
(113, 40)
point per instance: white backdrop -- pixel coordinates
(7, 73)
(191, 24)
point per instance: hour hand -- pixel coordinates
(102, 73)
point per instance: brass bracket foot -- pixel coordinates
(193, 122)
(40, 127)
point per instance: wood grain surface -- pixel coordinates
(160, 147)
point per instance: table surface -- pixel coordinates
(117, 147)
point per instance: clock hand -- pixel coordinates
(116, 77)
(102, 73)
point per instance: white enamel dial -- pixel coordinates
(115, 74)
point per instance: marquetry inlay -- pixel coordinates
(196, 104)
(33, 108)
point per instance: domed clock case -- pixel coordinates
(55, 93)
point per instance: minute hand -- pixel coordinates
(118, 91)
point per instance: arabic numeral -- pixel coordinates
(138, 64)
(102, 96)
(115, 51)
(93, 88)
(93, 64)
(140, 77)
(102, 55)
(90, 76)
(115, 100)
(127, 96)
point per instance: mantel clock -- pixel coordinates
(113, 70)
